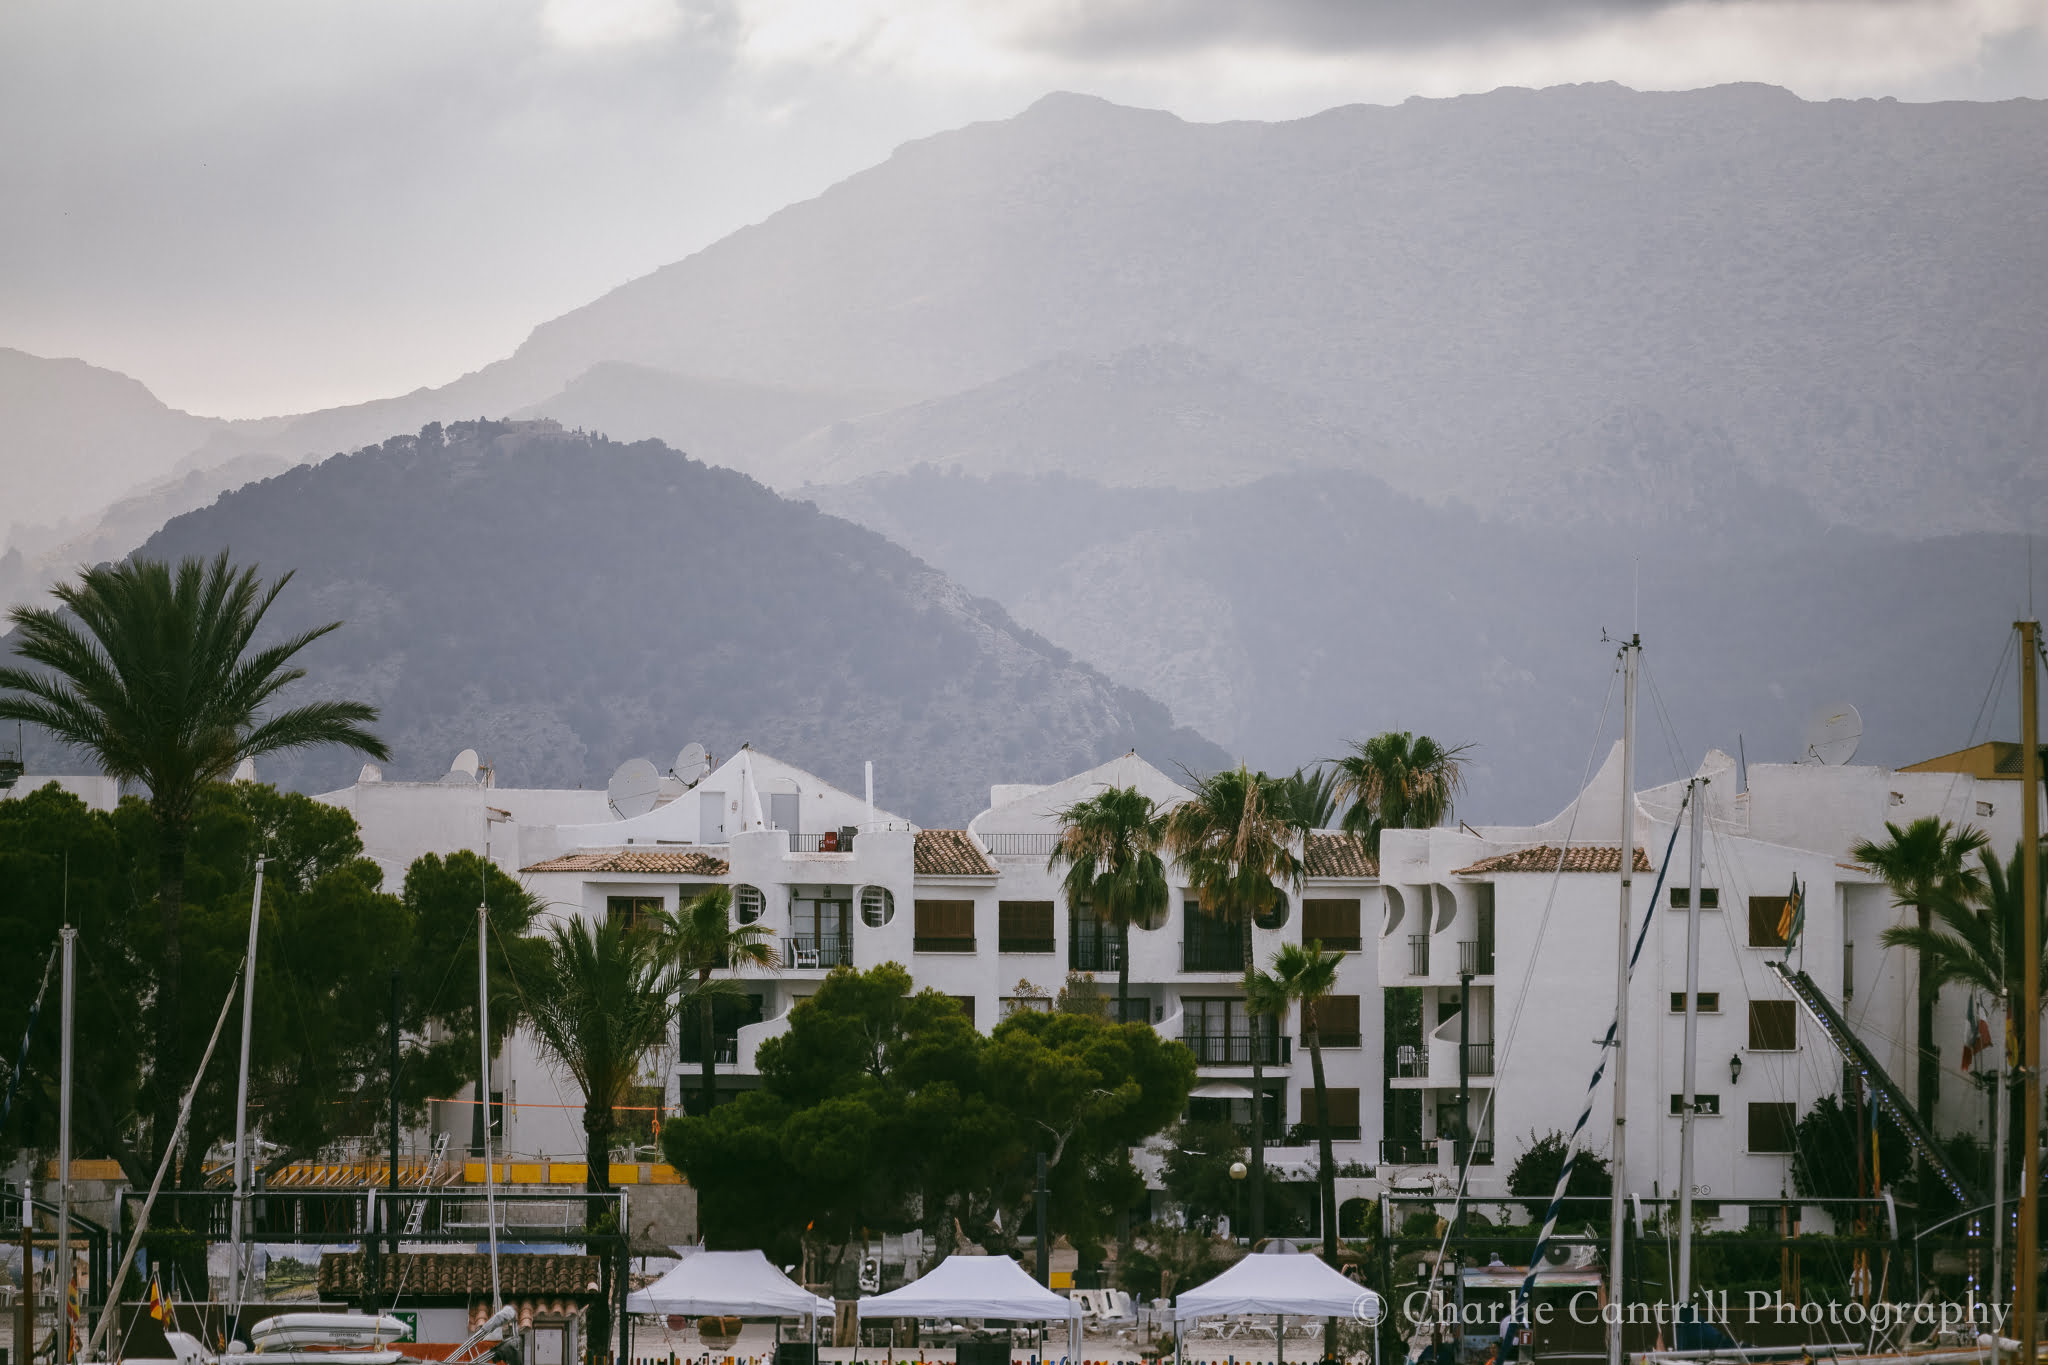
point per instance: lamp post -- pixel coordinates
(1238, 1171)
(1734, 1067)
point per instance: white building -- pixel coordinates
(1532, 914)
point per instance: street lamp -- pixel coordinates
(1734, 1068)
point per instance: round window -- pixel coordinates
(1273, 916)
(877, 906)
(748, 904)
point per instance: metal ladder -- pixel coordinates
(418, 1217)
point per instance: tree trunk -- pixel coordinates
(1123, 972)
(168, 1076)
(597, 1162)
(1258, 1180)
(1929, 1087)
(1326, 1176)
(707, 1060)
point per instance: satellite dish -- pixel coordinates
(691, 764)
(1832, 735)
(465, 763)
(633, 789)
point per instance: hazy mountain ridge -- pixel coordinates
(1286, 615)
(562, 603)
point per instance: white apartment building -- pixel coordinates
(1526, 919)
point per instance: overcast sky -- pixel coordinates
(260, 207)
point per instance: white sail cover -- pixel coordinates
(738, 1284)
(973, 1287)
(1297, 1286)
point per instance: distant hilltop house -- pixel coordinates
(1507, 933)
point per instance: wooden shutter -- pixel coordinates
(1335, 1018)
(1024, 926)
(1343, 1102)
(944, 927)
(1771, 1126)
(1773, 1025)
(1332, 923)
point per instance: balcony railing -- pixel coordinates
(1211, 955)
(827, 841)
(1475, 957)
(1329, 1039)
(1020, 845)
(1235, 1049)
(1479, 1059)
(1410, 1061)
(1010, 943)
(1411, 1152)
(807, 951)
(725, 1046)
(1480, 1152)
(921, 944)
(1091, 954)
(1418, 954)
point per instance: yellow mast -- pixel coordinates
(2027, 1275)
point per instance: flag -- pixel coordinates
(73, 1310)
(1793, 917)
(1977, 1034)
(159, 1308)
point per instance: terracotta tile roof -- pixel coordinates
(461, 1274)
(1338, 855)
(950, 853)
(688, 862)
(1543, 858)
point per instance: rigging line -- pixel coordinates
(1607, 1049)
(1542, 926)
(21, 1057)
(1671, 739)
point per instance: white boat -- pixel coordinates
(326, 1331)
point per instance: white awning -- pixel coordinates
(973, 1287)
(1220, 1090)
(1295, 1286)
(728, 1284)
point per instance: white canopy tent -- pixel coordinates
(977, 1287)
(1296, 1286)
(728, 1284)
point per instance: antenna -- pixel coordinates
(633, 789)
(691, 764)
(1832, 735)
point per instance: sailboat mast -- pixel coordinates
(483, 1088)
(241, 1200)
(1630, 654)
(63, 1270)
(1692, 1048)
(2028, 1258)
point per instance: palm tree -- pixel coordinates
(1304, 974)
(1109, 845)
(150, 673)
(1237, 841)
(1313, 792)
(699, 939)
(1925, 864)
(1398, 780)
(603, 1003)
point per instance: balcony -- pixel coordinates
(1418, 954)
(1479, 1059)
(948, 944)
(1329, 1039)
(1019, 845)
(725, 1046)
(809, 952)
(1480, 1152)
(1475, 957)
(828, 841)
(1235, 1049)
(1411, 1152)
(1010, 943)
(1212, 955)
(1090, 954)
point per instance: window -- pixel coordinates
(944, 927)
(966, 1004)
(1710, 1002)
(1773, 1025)
(1210, 944)
(1274, 916)
(877, 906)
(1770, 1127)
(1701, 1104)
(1091, 944)
(1019, 1004)
(1484, 966)
(1334, 924)
(630, 912)
(1335, 1019)
(1024, 927)
(1766, 913)
(1681, 898)
(1342, 1108)
(748, 904)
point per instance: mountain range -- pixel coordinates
(561, 603)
